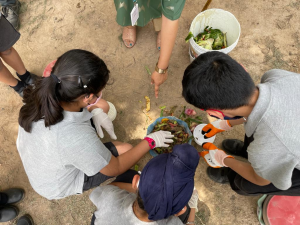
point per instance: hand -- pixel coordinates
(193, 202)
(161, 137)
(215, 127)
(157, 79)
(214, 157)
(100, 118)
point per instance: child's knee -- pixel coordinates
(122, 147)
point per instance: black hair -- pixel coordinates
(140, 201)
(216, 81)
(79, 72)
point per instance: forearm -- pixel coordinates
(122, 163)
(246, 171)
(168, 36)
(236, 122)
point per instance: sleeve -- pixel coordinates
(272, 161)
(275, 74)
(172, 9)
(85, 151)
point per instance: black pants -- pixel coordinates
(244, 187)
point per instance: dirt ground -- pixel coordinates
(269, 39)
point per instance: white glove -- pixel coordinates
(100, 118)
(161, 137)
(193, 202)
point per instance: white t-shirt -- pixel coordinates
(114, 206)
(57, 157)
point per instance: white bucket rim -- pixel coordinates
(192, 42)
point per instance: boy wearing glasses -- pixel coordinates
(216, 83)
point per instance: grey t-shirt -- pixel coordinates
(274, 124)
(114, 206)
(56, 158)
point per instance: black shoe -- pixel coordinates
(234, 147)
(8, 213)
(31, 79)
(14, 195)
(11, 13)
(25, 220)
(28, 78)
(218, 175)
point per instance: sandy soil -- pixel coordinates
(269, 39)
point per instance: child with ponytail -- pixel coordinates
(60, 150)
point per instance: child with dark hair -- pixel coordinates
(164, 193)
(60, 150)
(8, 37)
(217, 84)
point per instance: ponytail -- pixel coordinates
(43, 101)
(40, 102)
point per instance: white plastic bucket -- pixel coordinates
(217, 19)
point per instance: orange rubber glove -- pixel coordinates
(215, 127)
(214, 157)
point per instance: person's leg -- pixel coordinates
(12, 58)
(244, 187)
(116, 148)
(247, 141)
(185, 216)
(6, 76)
(129, 36)
(122, 147)
(157, 27)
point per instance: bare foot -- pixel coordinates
(129, 36)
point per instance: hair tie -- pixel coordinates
(80, 83)
(54, 77)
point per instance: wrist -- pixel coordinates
(151, 142)
(228, 123)
(228, 160)
(161, 70)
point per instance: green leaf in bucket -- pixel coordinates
(190, 35)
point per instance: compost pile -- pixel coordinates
(180, 136)
(211, 39)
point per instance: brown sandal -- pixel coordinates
(129, 36)
(158, 40)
